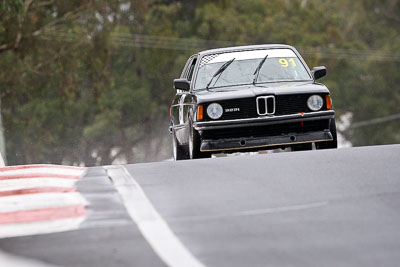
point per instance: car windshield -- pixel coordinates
(280, 65)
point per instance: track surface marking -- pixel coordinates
(153, 227)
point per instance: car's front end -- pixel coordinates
(270, 117)
(251, 98)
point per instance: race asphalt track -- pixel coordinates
(314, 208)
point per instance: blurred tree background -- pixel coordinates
(90, 82)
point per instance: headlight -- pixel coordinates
(214, 111)
(315, 102)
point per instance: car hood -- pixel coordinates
(246, 91)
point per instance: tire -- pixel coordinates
(329, 144)
(179, 152)
(194, 145)
(302, 147)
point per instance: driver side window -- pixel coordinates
(189, 75)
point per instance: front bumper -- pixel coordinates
(249, 143)
(255, 133)
(261, 121)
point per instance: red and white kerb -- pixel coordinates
(37, 199)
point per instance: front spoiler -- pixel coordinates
(249, 143)
(261, 121)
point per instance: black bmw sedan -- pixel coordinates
(250, 98)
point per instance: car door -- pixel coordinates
(182, 104)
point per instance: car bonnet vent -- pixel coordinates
(265, 105)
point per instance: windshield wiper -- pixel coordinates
(257, 71)
(219, 72)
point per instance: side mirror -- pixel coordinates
(318, 72)
(182, 84)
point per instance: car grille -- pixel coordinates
(292, 104)
(284, 105)
(247, 108)
(267, 130)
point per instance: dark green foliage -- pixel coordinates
(91, 81)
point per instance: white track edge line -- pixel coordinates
(154, 229)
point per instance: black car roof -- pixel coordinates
(246, 47)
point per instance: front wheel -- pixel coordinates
(179, 151)
(194, 145)
(329, 144)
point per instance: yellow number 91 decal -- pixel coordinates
(285, 63)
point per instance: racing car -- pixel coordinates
(250, 98)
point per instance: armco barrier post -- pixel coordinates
(1, 161)
(2, 142)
